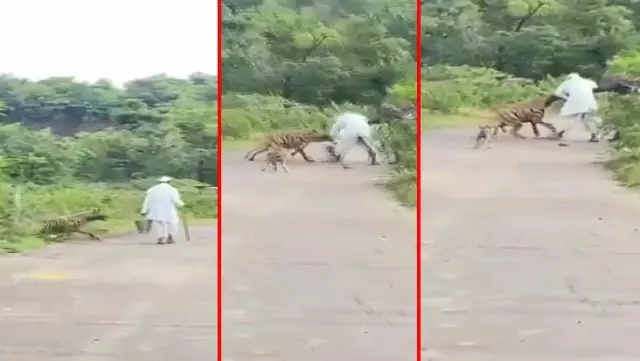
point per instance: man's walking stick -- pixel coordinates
(187, 235)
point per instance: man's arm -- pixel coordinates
(177, 200)
(145, 204)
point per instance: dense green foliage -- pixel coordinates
(529, 38)
(74, 140)
(482, 53)
(623, 114)
(479, 53)
(98, 132)
(293, 64)
(314, 53)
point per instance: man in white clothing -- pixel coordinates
(348, 130)
(580, 102)
(160, 207)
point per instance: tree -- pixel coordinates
(547, 33)
(317, 53)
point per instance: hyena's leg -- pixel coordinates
(284, 166)
(489, 140)
(93, 236)
(303, 154)
(515, 131)
(330, 149)
(552, 128)
(502, 126)
(297, 149)
(534, 128)
(266, 165)
(255, 151)
(481, 137)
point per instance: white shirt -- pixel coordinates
(161, 203)
(578, 93)
(350, 125)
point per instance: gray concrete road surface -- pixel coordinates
(318, 263)
(124, 299)
(531, 252)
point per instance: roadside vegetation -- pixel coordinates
(68, 146)
(291, 65)
(480, 54)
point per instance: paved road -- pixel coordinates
(126, 299)
(531, 253)
(318, 265)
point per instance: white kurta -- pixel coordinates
(161, 204)
(350, 126)
(578, 95)
(346, 131)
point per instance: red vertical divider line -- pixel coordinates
(219, 181)
(419, 179)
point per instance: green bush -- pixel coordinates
(464, 89)
(37, 156)
(622, 114)
(122, 155)
(109, 155)
(245, 116)
(398, 142)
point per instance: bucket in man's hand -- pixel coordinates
(143, 226)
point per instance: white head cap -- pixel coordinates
(573, 76)
(165, 179)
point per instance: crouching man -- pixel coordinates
(160, 208)
(349, 130)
